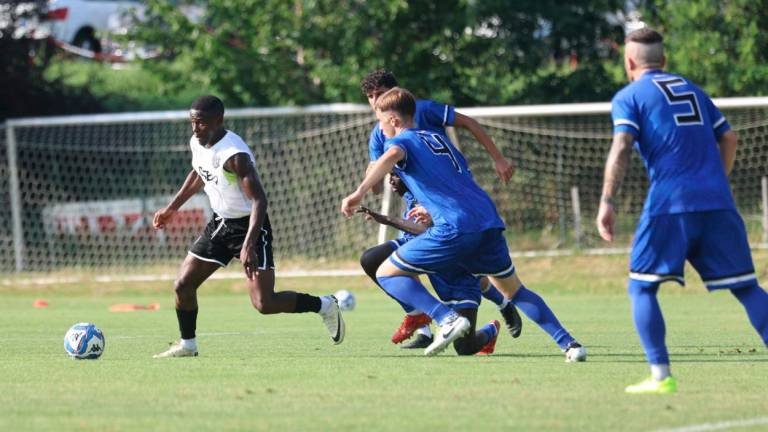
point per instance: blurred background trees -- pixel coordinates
(467, 52)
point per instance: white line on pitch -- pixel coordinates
(724, 425)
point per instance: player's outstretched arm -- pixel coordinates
(242, 166)
(375, 174)
(192, 185)
(615, 169)
(505, 168)
(396, 222)
(728, 144)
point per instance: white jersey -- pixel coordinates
(221, 186)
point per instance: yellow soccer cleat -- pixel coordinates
(651, 386)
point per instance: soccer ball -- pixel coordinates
(84, 341)
(346, 300)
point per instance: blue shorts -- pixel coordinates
(714, 242)
(449, 253)
(460, 291)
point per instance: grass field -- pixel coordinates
(282, 373)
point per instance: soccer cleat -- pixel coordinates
(491, 344)
(410, 324)
(575, 353)
(333, 321)
(421, 341)
(651, 386)
(176, 350)
(512, 319)
(447, 333)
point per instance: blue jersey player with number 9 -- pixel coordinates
(689, 214)
(467, 235)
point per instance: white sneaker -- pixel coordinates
(333, 321)
(575, 353)
(176, 350)
(448, 333)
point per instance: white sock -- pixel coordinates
(325, 303)
(425, 330)
(660, 372)
(189, 344)
(415, 312)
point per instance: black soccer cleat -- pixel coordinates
(420, 341)
(512, 319)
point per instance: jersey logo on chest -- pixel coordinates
(207, 175)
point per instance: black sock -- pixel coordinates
(187, 323)
(307, 303)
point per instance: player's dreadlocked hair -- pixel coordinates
(377, 79)
(209, 104)
(645, 36)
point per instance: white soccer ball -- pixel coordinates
(84, 341)
(346, 300)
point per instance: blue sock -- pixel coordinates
(649, 321)
(490, 330)
(755, 301)
(534, 308)
(408, 290)
(494, 295)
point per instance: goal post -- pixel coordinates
(81, 190)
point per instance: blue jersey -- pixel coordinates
(437, 175)
(676, 127)
(410, 202)
(430, 115)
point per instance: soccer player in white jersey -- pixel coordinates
(223, 166)
(689, 214)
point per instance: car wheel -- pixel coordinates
(86, 40)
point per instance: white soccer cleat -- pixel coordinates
(176, 350)
(333, 321)
(575, 353)
(448, 333)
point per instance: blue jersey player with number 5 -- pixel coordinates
(689, 214)
(467, 233)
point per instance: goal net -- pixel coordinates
(82, 190)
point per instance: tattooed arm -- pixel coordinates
(615, 169)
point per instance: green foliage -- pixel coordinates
(272, 52)
(23, 90)
(722, 46)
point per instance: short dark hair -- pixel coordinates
(209, 104)
(377, 79)
(398, 100)
(645, 36)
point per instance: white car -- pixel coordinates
(79, 22)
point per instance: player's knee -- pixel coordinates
(183, 289)
(370, 262)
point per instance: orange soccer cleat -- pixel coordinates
(491, 344)
(410, 324)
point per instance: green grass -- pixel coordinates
(282, 373)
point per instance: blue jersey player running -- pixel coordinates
(433, 116)
(689, 214)
(467, 235)
(462, 293)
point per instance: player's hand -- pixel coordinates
(250, 260)
(505, 169)
(371, 215)
(162, 217)
(420, 215)
(606, 219)
(351, 203)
